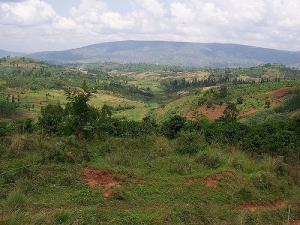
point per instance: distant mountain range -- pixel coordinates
(172, 53)
(4, 53)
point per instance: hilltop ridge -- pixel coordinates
(172, 53)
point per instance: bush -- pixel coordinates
(173, 125)
(189, 143)
(4, 129)
(212, 161)
(244, 194)
(261, 181)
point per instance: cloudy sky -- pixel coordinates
(40, 25)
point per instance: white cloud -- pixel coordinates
(267, 23)
(29, 13)
(182, 13)
(153, 7)
(89, 11)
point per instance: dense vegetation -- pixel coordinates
(167, 168)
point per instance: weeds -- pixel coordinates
(160, 184)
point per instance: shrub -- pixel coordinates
(261, 181)
(244, 194)
(189, 143)
(173, 125)
(212, 161)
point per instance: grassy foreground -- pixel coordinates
(43, 181)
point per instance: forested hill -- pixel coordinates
(173, 53)
(4, 53)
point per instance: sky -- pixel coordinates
(50, 25)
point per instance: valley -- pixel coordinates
(139, 143)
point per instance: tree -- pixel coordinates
(51, 118)
(223, 91)
(80, 118)
(105, 112)
(230, 113)
(7, 108)
(240, 100)
(173, 125)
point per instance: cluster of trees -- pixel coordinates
(85, 121)
(230, 76)
(128, 90)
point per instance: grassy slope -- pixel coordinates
(158, 186)
(41, 180)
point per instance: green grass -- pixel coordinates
(158, 185)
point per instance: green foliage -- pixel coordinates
(245, 194)
(152, 175)
(158, 165)
(261, 181)
(231, 113)
(51, 118)
(80, 118)
(211, 160)
(173, 125)
(240, 100)
(223, 91)
(189, 143)
(4, 129)
(7, 108)
(290, 103)
(128, 90)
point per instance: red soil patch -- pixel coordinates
(252, 207)
(281, 92)
(276, 95)
(213, 181)
(101, 179)
(295, 222)
(211, 113)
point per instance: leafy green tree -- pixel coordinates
(173, 125)
(105, 112)
(80, 118)
(240, 100)
(7, 108)
(223, 91)
(51, 118)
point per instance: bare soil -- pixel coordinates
(211, 113)
(101, 179)
(277, 95)
(213, 181)
(295, 222)
(254, 207)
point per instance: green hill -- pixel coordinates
(109, 143)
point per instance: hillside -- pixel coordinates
(173, 53)
(4, 53)
(108, 143)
